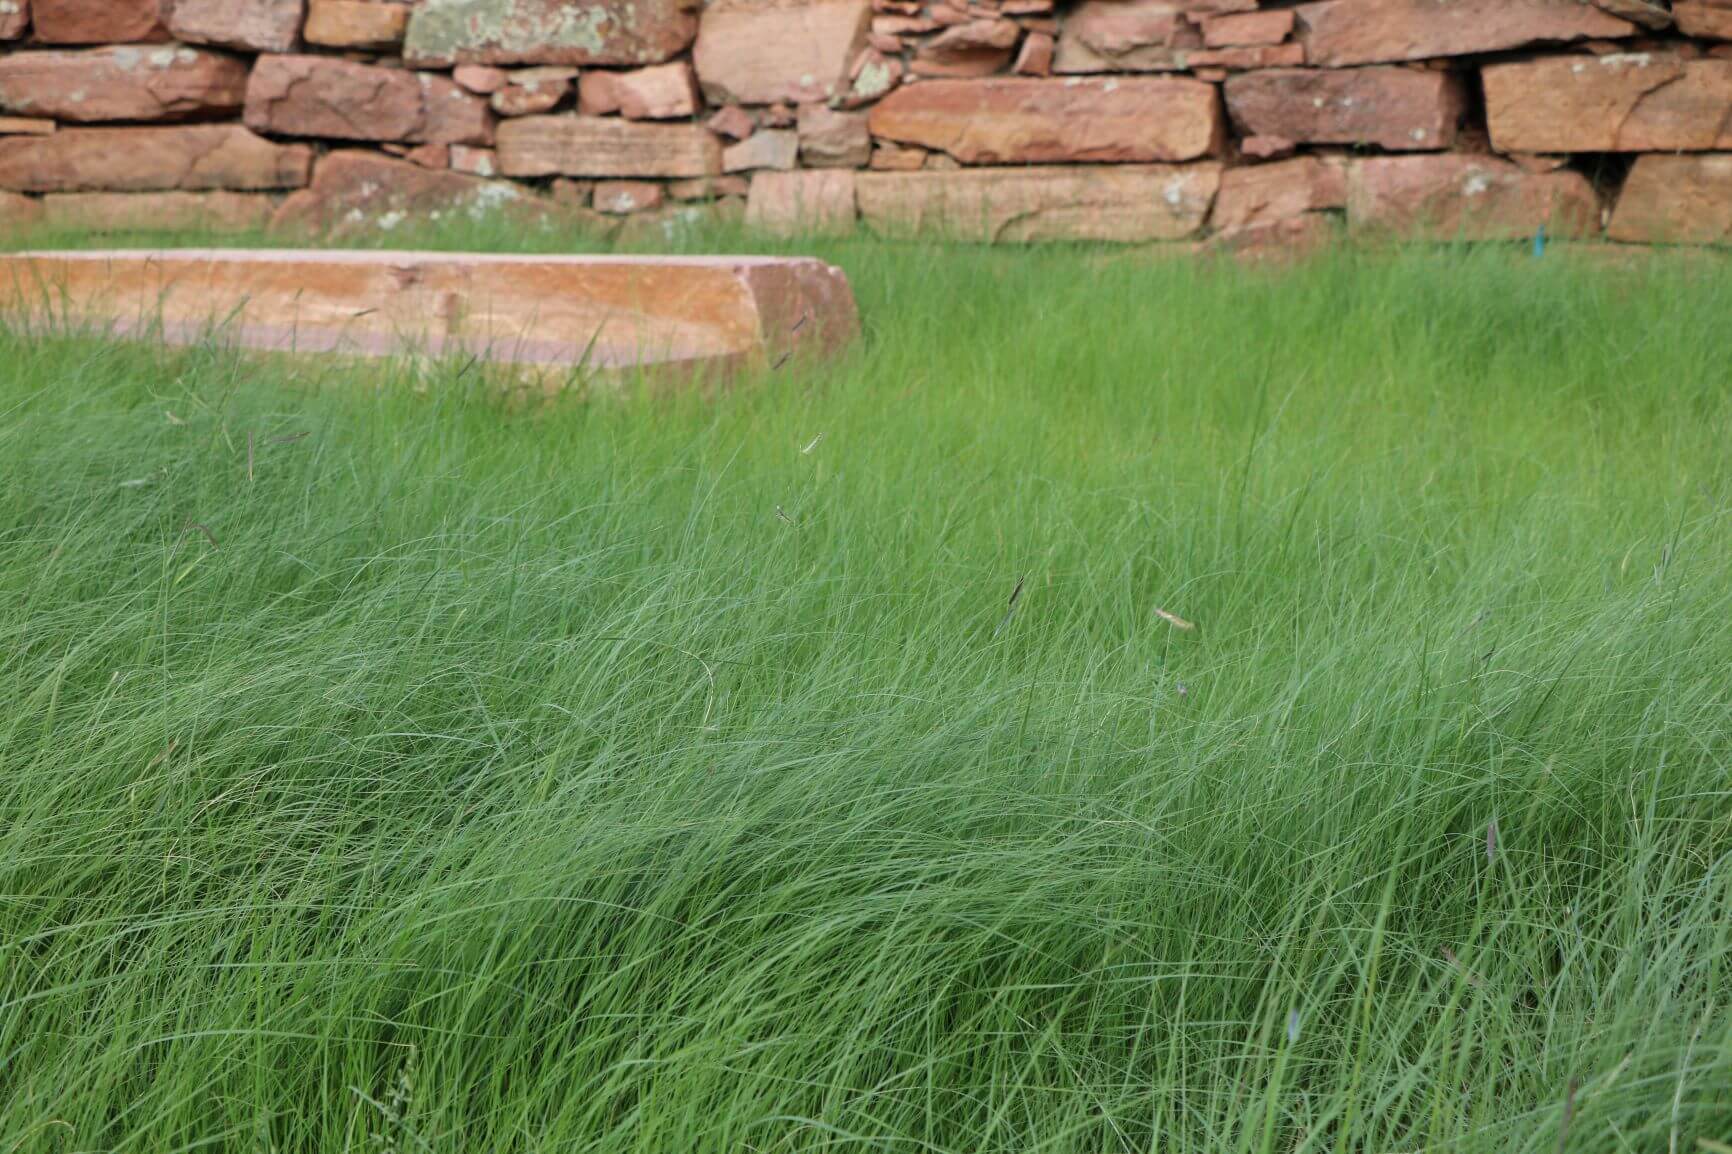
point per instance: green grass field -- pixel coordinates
(388, 766)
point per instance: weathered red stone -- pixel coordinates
(531, 91)
(1261, 195)
(600, 146)
(1706, 19)
(603, 32)
(1035, 56)
(777, 148)
(692, 314)
(663, 92)
(623, 197)
(762, 51)
(128, 82)
(250, 25)
(802, 203)
(1337, 33)
(977, 48)
(198, 156)
(1091, 202)
(832, 139)
(371, 25)
(1676, 200)
(14, 18)
(97, 21)
(1454, 196)
(26, 126)
(1021, 121)
(1400, 109)
(326, 97)
(1647, 102)
(353, 189)
(1247, 29)
(135, 211)
(1126, 36)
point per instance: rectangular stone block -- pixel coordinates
(249, 25)
(1676, 200)
(1131, 203)
(197, 156)
(693, 314)
(97, 21)
(135, 211)
(595, 146)
(1340, 33)
(325, 97)
(1457, 197)
(1128, 120)
(1396, 108)
(126, 82)
(603, 32)
(371, 25)
(1644, 102)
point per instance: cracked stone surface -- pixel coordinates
(1676, 200)
(196, 156)
(549, 31)
(1635, 102)
(250, 25)
(141, 82)
(320, 96)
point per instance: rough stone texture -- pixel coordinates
(831, 139)
(14, 18)
(97, 21)
(1019, 121)
(1467, 197)
(603, 32)
(353, 189)
(19, 212)
(977, 48)
(1648, 13)
(341, 100)
(202, 156)
(373, 25)
(594, 146)
(1338, 33)
(1126, 36)
(622, 197)
(1399, 109)
(1649, 102)
(133, 211)
(533, 90)
(663, 92)
(26, 126)
(1247, 29)
(777, 148)
(1263, 195)
(1035, 56)
(802, 203)
(481, 79)
(128, 82)
(1706, 19)
(762, 51)
(1676, 200)
(709, 314)
(464, 158)
(1113, 203)
(250, 25)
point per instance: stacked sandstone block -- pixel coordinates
(1236, 123)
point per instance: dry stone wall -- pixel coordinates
(1240, 124)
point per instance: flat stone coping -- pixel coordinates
(698, 315)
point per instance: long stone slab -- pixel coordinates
(694, 315)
